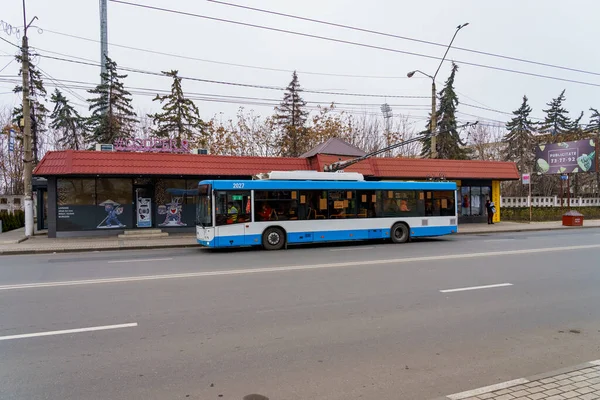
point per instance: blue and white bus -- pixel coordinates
(281, 208)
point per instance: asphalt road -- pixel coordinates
(370, 321)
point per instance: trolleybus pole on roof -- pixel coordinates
(340, 165)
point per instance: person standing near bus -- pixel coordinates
(491, 209)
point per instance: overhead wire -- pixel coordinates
(78, 96)
(278, 88)
(336, 109)
(269, 87)
(485, 107)
(274, 101)
(309, 35)
(81, 85)
(9, 42)
(374, 32)
(6, 66)
(229, 63)
(254, 86)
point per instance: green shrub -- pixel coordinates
(12, 221)
(545, 213)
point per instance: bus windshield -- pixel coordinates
(204, 210)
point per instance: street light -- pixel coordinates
(433, 124)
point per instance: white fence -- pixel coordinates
(550, 201)
(11, 203)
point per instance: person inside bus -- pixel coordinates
(265, 212)
(232, 213)
(404, 206)
(391, 207)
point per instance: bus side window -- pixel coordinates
(232, 207)
(366, 203)
(274, 205)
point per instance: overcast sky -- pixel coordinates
(550, 31)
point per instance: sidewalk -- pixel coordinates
(581, 382)
(522, 227)
(12, 237)
(13, 242)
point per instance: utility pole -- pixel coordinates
(28, 155)
(433, 127)
(103, 36)
(434, 152)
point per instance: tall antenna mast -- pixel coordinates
(103, 36)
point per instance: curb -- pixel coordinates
(89, 249)
(513, 230)
(193, 244)
(16, 241)
(517, 382)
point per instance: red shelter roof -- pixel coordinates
(70, 162)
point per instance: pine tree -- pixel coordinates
(594, 124)
(37, 107)
(556, 121)
(66, 120)
(449, 144)
(519, 138)
(112, 114)
(291, 118)
(180, 118)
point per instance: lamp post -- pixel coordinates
(433, 125)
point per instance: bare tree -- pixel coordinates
(486, 142)
(402, 130)
(11, 160)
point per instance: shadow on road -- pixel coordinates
(330, 245)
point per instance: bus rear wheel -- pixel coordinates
(273, 239)
(400, 233)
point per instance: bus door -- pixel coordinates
(232, 216)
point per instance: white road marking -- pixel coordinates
(487, 389)
(139, 260)
(498, 240)
(353, 248)
(68, 331)
(476, 288)
(406, 260)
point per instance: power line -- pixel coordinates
(259, 86)
(78, 96)
(9, 42)
(396, 36)
(275, 101)
(229, 63)
(218, 98)
(140, 71)
(6, 66)
(350, 42)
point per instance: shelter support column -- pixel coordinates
(496, 199)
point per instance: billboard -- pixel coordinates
(566, 157)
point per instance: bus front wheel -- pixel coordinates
(273, 239)
(400, 233)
